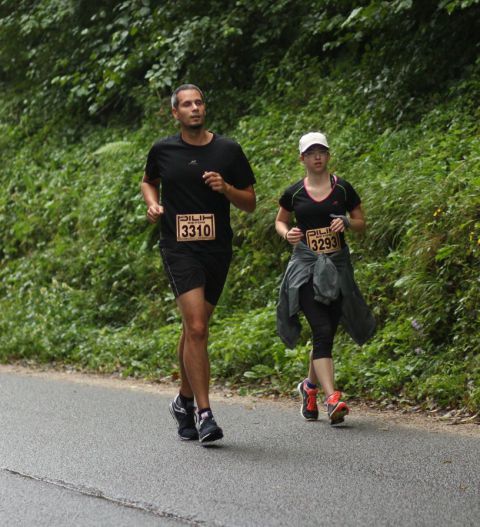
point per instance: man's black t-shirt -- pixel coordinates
(179, 167)
(313, 214)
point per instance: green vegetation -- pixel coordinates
(395, 85)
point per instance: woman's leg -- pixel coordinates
(323, 320)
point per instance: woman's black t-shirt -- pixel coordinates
(179, 167)
(313, 214)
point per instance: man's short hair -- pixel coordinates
(174, 98)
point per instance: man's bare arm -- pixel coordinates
(244, 199)
(151, 196)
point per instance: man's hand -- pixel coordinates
(154, 212)
(215, 181)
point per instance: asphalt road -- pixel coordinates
(79, 454)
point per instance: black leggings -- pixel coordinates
(323, 320)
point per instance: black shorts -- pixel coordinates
(187, 270)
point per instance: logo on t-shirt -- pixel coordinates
(193, 162)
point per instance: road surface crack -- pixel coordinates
(99, 494)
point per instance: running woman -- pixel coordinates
(190, 181)
(319, 277)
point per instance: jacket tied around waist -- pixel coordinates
(332, 276)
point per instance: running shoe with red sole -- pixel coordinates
(309, 409)
(336, 409)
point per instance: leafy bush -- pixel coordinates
(81, 282)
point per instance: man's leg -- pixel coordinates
(196, 313)
(193, 357)
(192, 350)
(185, 387)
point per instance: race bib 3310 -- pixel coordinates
(195, 227)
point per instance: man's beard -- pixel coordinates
(195, 126)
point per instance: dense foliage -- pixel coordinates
(394, 84)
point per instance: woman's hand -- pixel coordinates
(293, 235)
(339, 223)
(282, 226)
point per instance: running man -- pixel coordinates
(190, 181)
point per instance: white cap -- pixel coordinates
(310, 139)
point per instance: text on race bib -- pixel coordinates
(195, 227)
(323, 240)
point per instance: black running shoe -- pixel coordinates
(185, 419)
(309, 408)
(208, 429)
